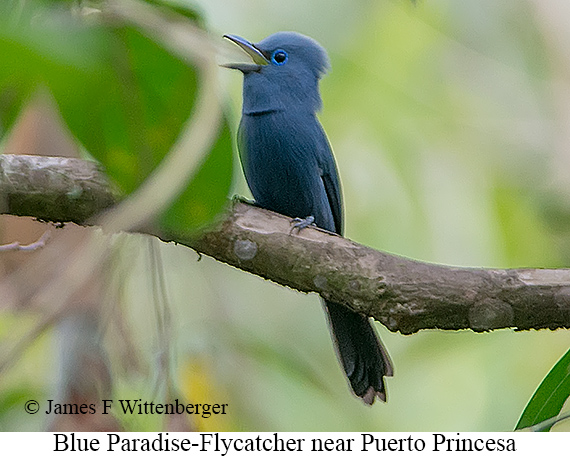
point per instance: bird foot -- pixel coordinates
(300, 223)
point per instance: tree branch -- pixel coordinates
(405, 295)
(55, 189)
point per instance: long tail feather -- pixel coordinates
(364, 359)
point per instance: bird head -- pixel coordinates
(284, 74)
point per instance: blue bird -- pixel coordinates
(290, 169)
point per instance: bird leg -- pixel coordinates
(300, 223)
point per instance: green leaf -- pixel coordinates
(130, 114)
(56, 48)
(207, 193)
(122, 95)
(550, 396)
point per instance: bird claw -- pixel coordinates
(300, 223)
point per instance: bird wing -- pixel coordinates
(331, 182)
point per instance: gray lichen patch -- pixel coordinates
(245, 249)
(354, 285)
(490, 314)
(544, 277)
(320, 282)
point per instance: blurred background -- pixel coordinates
(450, 123)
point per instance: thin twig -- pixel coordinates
(16, 246)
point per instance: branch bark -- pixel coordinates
(55, 189)
(405, 295)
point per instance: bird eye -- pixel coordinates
(279, 57)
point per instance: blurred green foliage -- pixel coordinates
(448, 123)
(122, 94)
(212, 183)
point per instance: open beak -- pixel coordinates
(256, 55)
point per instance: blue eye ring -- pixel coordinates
(279, 57)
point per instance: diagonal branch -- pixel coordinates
(405, 295)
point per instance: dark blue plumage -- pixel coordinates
(290, 169)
